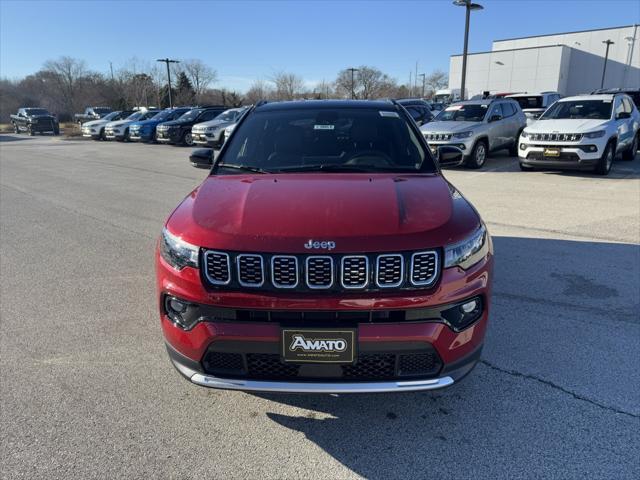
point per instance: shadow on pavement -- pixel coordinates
(532, 402)
(13, 138)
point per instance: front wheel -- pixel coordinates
(478, 155)
(31, 131)
(15, 128)
(187, 139)
(56, 131)
(603, 167)
(630, 154)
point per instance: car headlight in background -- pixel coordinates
(598, 134)
(466, 134)
(524, 134)
(468, 252)
(177, 252)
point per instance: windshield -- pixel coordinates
(463, 113)
(336, 139)
(135, 116)
(149, 114)
(191, 114)
(228, 116)
(112, 116)
(579, 109)
(534, 101)
(36, 111)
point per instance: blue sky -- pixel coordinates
(247, 40)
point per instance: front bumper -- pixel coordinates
(140, 136)
(168, 136)
(465, 144)
(112, 135)
(455, 353)
(209, 139)
(576, 156)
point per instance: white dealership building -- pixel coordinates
(569, 63)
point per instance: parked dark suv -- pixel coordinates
(178, 132)
(419, 109)
(325, 252)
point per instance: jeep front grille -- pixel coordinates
(362, 272)
(555, 137)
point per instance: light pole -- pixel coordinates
(167, 61)
(469, 5)
(423, 75)
(606, 56)
(352, 70)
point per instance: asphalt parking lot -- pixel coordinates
(87, 390)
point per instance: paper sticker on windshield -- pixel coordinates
(324, 127)
(607, 100)
(385, 113)
(453, 108)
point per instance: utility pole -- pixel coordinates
(111, 68)
(423, 80)
(410, 83)
(606, 57)
(167, 61)
(352, 70)
(468, 6)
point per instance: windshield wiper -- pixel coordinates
(340, 168)
(244, 168)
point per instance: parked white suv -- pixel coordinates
(584, 132)
(534, 104)
(211, 133)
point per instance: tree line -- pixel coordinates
(66, 86)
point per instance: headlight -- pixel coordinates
(468, 252)
(177, 252)
(466, 134)
(524, 134)
(598, 134)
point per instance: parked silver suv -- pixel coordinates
(477, 127)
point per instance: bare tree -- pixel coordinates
(323, 90)
(67, 72)
(200, 76)
(435, 81)
(259, 90)
(288, 85)
(368, 82)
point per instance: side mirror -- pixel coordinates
(623, 115)
(495, 118)
(202, 158)
(449, 156)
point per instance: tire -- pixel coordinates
(31, 132)
(187, 139)
(101, 135)
(15, 128)
(56, 131)
(606, 160)
(525, 168)
(478, 156)
(125, 137)
(513, 149)
(630, 154)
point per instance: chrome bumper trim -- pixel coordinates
(312, 387)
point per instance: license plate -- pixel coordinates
(551, 152)
(318, 346)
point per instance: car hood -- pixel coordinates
(567, 125)
(448, 127)
(95, 123)
(213, 123)
(360, 212)
(119, 123)
(178, 122)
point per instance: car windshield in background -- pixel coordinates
(149, 114)
(326, 139)
(37, 111)
(112, 116)
(534, 101)
(191, 114)
(463, 113)
(579, 109)
(135, 116)
(164, 115)
(101, 110)
(227, 116)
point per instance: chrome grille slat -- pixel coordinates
(319, 272)
(354, 271)
(250, 270)
(218, 269)
(389, 270)
(284, 271)
(424, 268)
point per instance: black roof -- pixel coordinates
(305, 104)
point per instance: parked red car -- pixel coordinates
(325, 252)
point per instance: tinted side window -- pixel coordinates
(497, 110)
(627, 105)
(619, 108)
(415, 113)
(507, 109)
(209, 115)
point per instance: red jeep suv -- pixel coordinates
(325, 252)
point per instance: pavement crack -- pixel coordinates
(555, 386)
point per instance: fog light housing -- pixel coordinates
(463, 314)
(523, 146)
(182, 313)
(461, 146)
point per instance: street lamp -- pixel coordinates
(352, 70)
(469, 5)
(606, 56)
(168, 61)
(423, 75)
